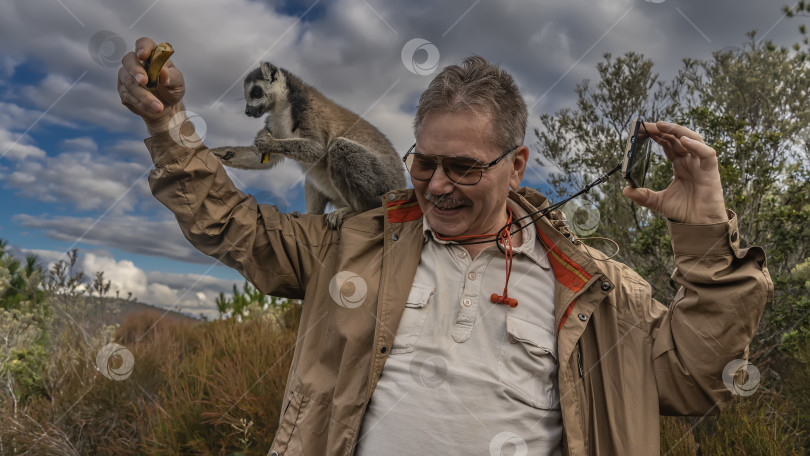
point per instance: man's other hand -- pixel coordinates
(156, 109)
(695, 195)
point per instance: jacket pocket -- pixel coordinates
(527, 365)
(413, 319)
(289, 421)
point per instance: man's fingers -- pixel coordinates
(675, 130)
(698, 148)
(683, 146)
(144, 47)
(642, 196)
(135, 94)
(170, 77)
(133, 66)
(672, 144)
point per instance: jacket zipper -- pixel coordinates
(579, 360)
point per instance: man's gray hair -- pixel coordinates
(479, 86)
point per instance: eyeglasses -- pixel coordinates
(460, 170)
(637, 155)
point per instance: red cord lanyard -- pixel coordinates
(505, 237)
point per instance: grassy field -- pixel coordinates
(215, 387)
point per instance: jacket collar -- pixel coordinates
(572, 267)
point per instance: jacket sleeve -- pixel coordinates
(712, 318)
(276, 252)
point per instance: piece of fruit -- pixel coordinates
(155, 63)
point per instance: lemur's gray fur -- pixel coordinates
(347, 161)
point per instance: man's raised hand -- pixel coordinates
(695, 195)
(156, 109)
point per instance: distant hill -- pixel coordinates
(118, 310)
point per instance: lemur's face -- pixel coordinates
(263, 86)
(259, 98)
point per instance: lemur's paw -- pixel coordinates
(224, 153)
(263, 133)
(335, 218)
(264, 141)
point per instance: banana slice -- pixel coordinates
(155, 63)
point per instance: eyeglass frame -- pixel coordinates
(439, 158)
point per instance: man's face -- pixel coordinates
(453, 209)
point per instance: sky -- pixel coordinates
(73, 166)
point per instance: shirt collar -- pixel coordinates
(529, 245)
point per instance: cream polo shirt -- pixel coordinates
(465, 375)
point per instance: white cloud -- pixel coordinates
(123, 275)
(47, 258)
(85, 180)
(7, 65)
(16, 117)
(133, 234)
(81, 144)
(17, 147)
(188, 293)
(279, 185)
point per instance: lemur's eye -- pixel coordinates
(256, 92)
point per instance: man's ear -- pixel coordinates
(519, 166)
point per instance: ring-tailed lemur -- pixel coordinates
(347, 161)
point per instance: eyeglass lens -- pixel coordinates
(458, 169)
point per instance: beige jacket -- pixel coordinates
(624, 358)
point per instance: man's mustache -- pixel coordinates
(446, 200)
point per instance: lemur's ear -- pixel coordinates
(269, 71)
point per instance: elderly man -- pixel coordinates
(420, 335)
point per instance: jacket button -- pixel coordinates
(606, 285)
(391, 197)
(383, 349)
(275, 453)
(394, 237)
(734, 236)
(582, 317)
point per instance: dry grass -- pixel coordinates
(215, 388)
(212, 388)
